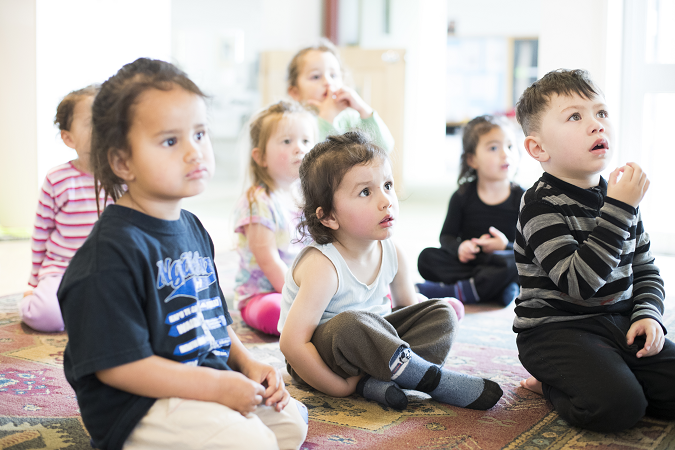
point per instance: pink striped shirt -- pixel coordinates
(66, 213)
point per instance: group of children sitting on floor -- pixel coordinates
(152, 355)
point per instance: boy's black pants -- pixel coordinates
(593, 378)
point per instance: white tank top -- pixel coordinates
(351, 293)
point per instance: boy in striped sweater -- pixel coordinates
(589, 315)
(66, 213)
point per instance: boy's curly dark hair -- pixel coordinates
(321, 173)
(534, 100)
(112, 115)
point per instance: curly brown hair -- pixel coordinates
(321, 173)
(113, 114)
(66, 108)
(534, 100)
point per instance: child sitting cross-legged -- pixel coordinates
(338, 331)
(589, 315)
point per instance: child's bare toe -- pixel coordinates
(533, 385)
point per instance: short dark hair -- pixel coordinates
(535, 99)
(321, 173)
(66, 108)
(112, 114)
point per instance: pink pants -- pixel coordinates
(41, 310)
(262, 312)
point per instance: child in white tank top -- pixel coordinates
(338, 332)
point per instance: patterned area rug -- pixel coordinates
(38, 409)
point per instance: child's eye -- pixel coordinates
(200, 135)
(602, 114)
(170, 142)
(287, 141)
(494, 148)
(575, 117)
(305, 141)
(364, 193)
(389, 185)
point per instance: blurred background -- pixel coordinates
(426, 66)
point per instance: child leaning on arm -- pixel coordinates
(152, 355)
(316, 78)
(338, 331)
(589, 315)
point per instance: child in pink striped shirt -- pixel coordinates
(66, 213)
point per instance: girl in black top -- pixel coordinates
(475, 262)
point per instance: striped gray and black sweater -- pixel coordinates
(581, 254)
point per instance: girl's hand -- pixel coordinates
(492, 242)
(270, 378)
(654, 336)
(339, 100)
(467, 251)
(631, 187)
(238, 392)
(329, 107)
(351, 99)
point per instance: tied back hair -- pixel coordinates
(295, 66)
(321, 173)
(262, 126)
(471, 134)
(113, 115)
(66, 108)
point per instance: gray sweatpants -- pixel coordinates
(356, 342)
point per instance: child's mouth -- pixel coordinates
(387, 221)
(600, 146)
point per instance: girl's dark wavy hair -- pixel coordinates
(321, 173)
(471, 134)
(113, 114)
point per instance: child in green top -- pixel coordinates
(315, 78)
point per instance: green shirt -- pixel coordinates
(350, 119)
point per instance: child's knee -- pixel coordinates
(613, 412)
(40, 315)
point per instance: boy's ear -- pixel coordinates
(534, 147)
(256, 154)
(67, 139)
(327, 221)
(119, 163)
(294, 92)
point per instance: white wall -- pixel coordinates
(54, 47)
(18, 124)
(489, 18)
(419, 28)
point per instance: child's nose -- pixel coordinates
(597, 126)
(193, 152)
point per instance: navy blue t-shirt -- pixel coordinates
(138, 286)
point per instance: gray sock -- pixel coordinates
(386, 393)
(410, 371)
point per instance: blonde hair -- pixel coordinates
(295, 66)
(262, 127)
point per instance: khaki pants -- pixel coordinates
(356, 342)
(175, 423)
